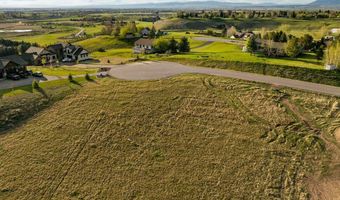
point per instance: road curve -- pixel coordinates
(158, 70)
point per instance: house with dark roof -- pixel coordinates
(58, 50)
(39, 54)
(75, 53)
(12, 65)
(144, 46)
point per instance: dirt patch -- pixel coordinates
(337, 134)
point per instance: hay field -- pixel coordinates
(187, 137)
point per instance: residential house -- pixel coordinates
(58, 50)
(145, 32)
(75, 53)
(40, 53)
(143, 46)
(80, 34)
(12, 65)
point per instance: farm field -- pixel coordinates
(120, 140)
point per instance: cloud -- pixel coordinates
(60, 4)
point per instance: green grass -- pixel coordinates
(63, 71)
(105, 42)
(125, 53)
(60, 35)
(230, 52)
(316, 28)
(202, 137)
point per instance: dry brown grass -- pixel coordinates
(188, 137)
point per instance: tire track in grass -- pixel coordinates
(77, 151)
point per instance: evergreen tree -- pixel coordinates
(251, 45)
(173, 45)
(184, 45)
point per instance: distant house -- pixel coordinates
(330, 67)
(248, 35)
(143, 46)
(237, 35)
(40, 53)
(145, 32)
(80, 34)
(75, 53)
(130, 36)
(12, 65)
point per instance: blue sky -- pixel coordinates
(54, 3)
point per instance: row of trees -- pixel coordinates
(249, 14)
(164, 45)
(120, 29)
(293, 46)
(9, 47)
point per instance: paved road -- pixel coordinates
(158, 70)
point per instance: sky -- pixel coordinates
(56, 3)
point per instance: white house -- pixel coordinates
(330, 67)
(75, 53)
(143, 46)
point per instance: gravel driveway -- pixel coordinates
(158, 70)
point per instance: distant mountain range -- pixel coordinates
(326, 3)
(220, 5)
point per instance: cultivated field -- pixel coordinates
(187, 137)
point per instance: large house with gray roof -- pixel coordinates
(12, 65)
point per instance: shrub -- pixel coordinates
(35, 84)
(70, 77)
(87, 77)
(101, 50)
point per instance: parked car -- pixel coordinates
(37, 74)
(14, 77)
(103, 72)
(67, 60)
(23, 74)
(29, 72)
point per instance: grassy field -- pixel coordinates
(316, 28)
(20, 103)
(188, 137)
(61, 34)
(231, 52)
(104, 42)
(63, 70)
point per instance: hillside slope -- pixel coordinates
(187, 137)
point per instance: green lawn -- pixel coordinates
(63, 70)
(105, 42)
(230, 52)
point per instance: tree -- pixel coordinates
(251, 44)
(116, 30)
(184, 45)
(231, 31)
(161, 45)
(307, 41)
(332, 56)
(173, 45)
(293, 48)
(43, 60)
(152, 33)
